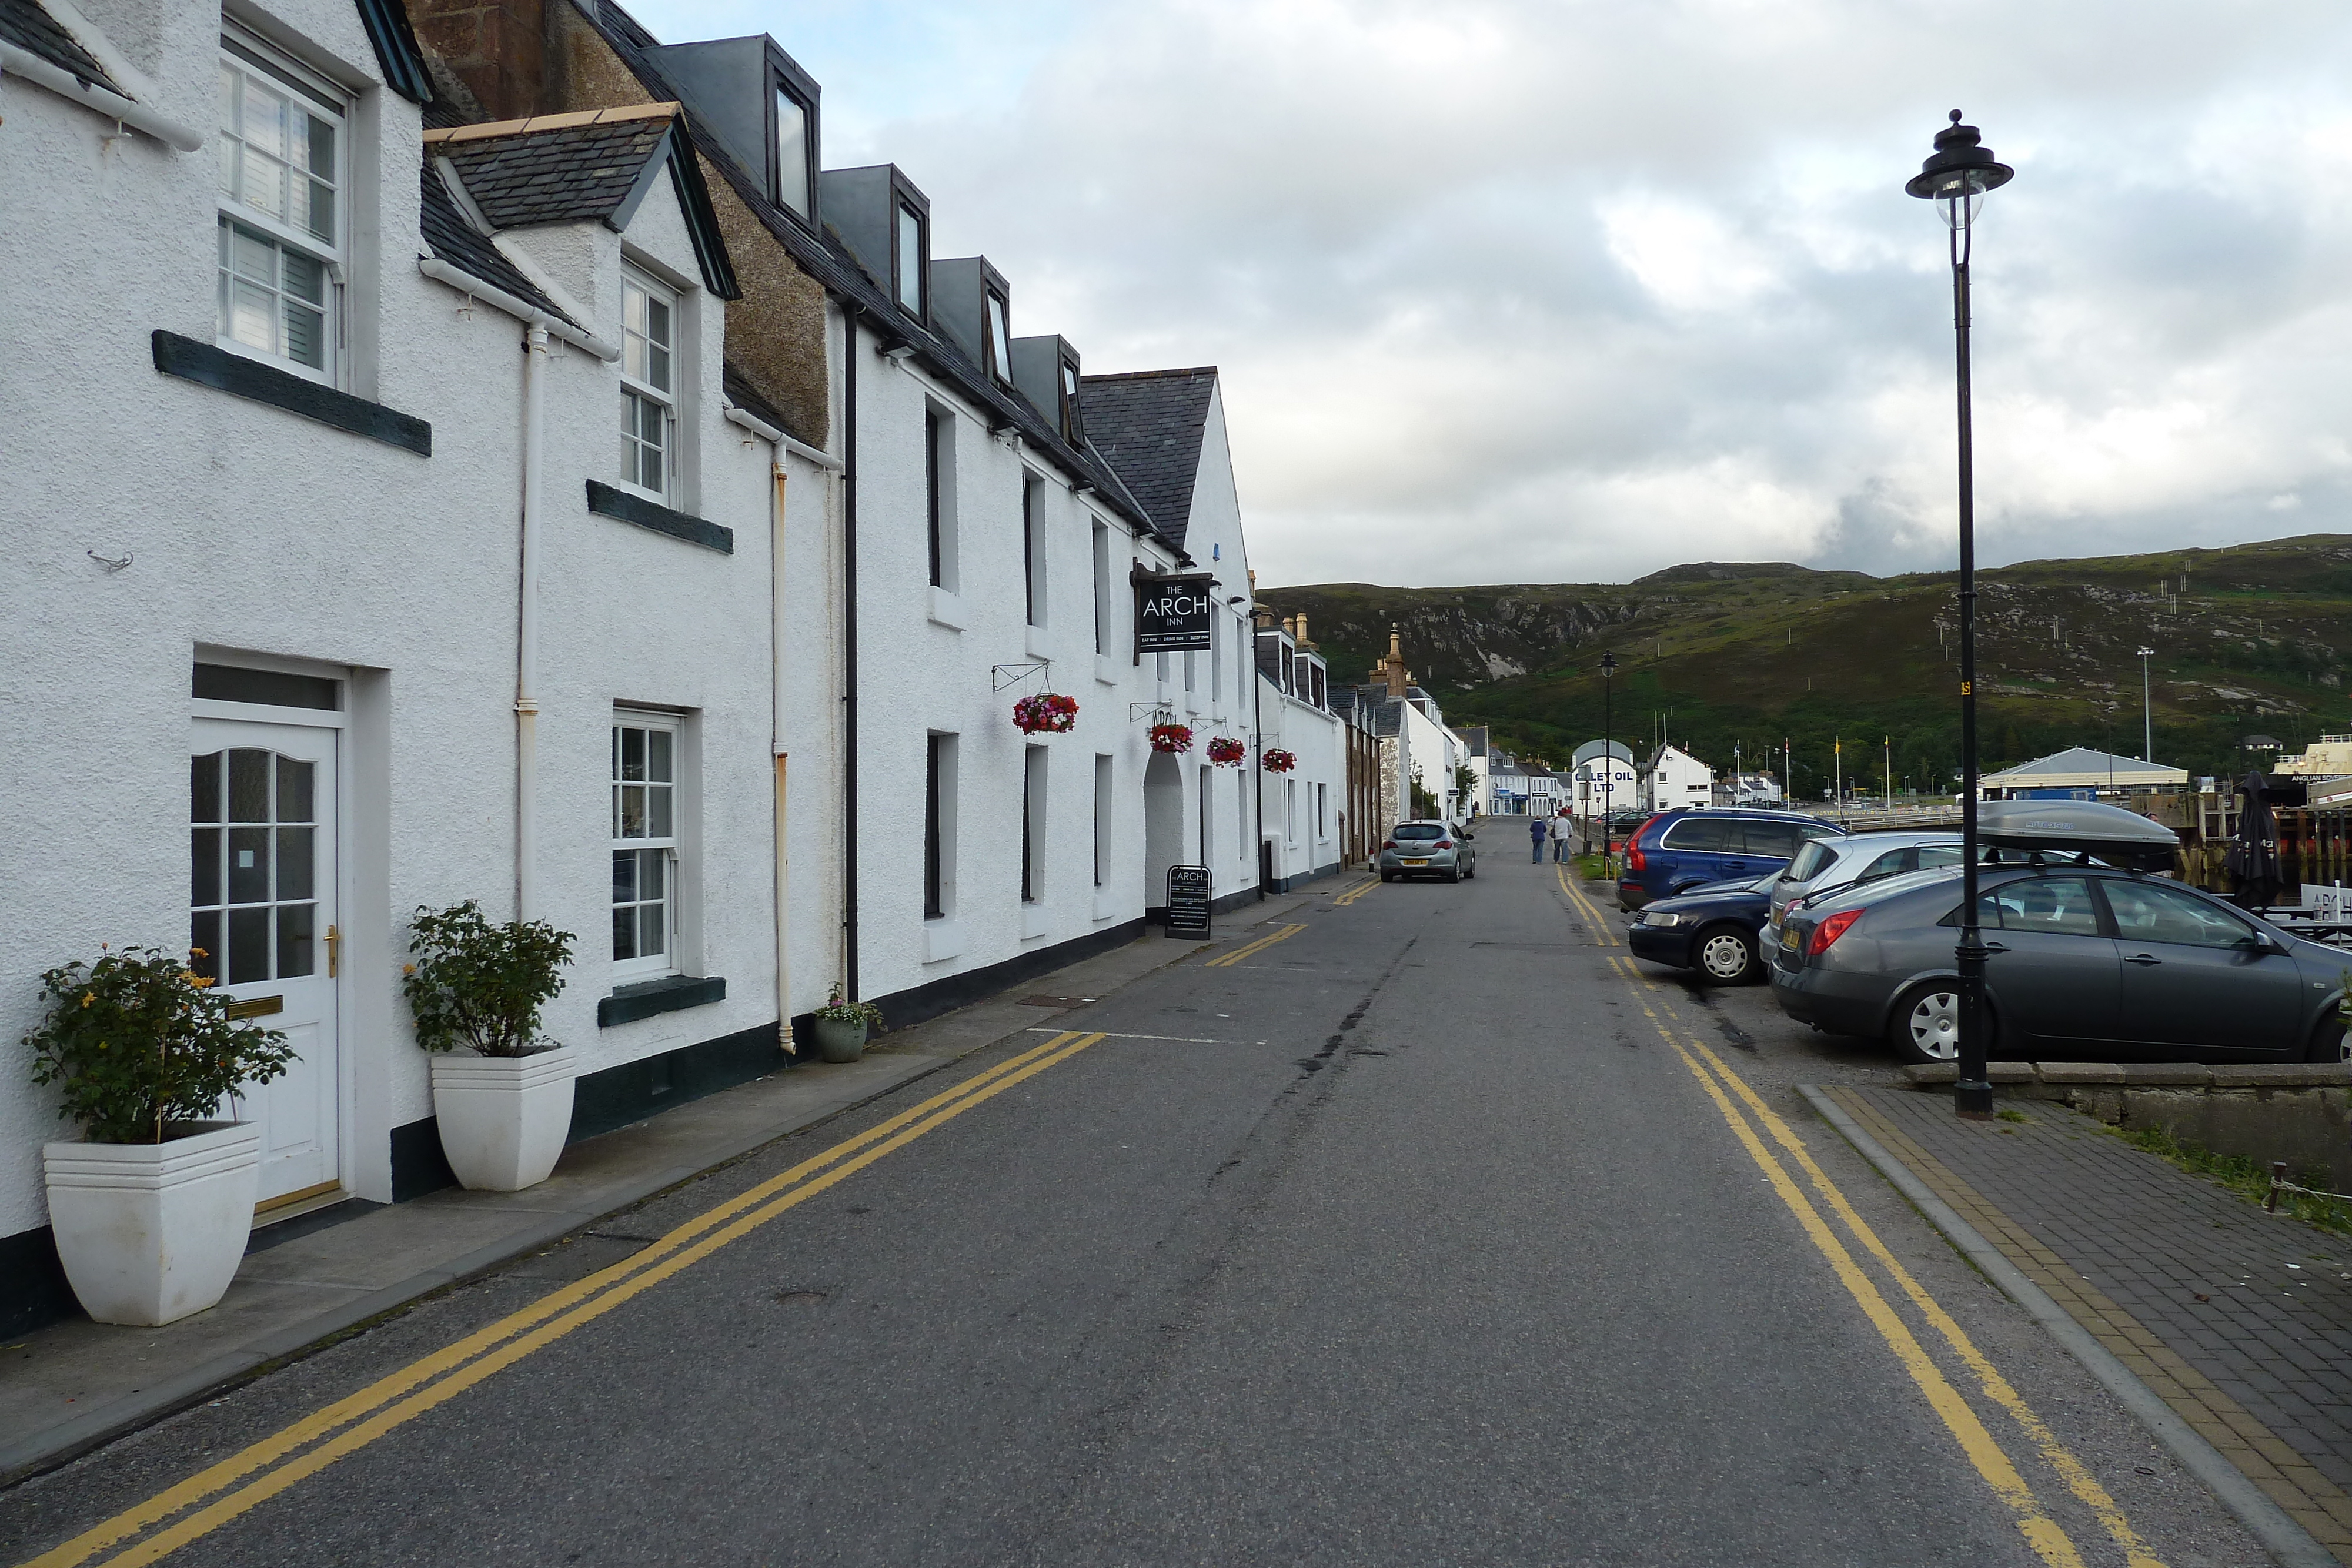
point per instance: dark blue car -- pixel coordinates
(1709, 929)
(1676, 850)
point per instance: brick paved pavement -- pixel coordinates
(2238, 1320)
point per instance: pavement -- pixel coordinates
(2238, 1320)
(1416, 1225)
(304, 1281)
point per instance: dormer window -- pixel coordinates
(1074, 430)
(791, 152)
(1000, 338)
(910, 259)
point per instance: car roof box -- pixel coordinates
(2114, 836)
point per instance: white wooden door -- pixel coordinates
(262, 909)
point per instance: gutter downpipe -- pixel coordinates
(526, 706)
(440, 271)
(1257, 724)
(17, 62)
(851, 335)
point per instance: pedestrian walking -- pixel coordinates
(1559, 837)
(1536, 833)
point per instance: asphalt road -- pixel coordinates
(1425, 1234)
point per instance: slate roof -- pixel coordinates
(828, 261)
(2083, 760)
(743, 395)
(466, 248)
(545, 170)
(32, 29)
(1149, 425)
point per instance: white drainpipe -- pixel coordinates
(534, 425)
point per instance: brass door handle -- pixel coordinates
(334, 950)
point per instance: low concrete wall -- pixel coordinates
(2298, 1113)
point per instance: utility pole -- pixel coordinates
(1837, 752)
(2147, 713)
(1886, 768)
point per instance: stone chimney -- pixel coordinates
(500, 49)
(1302, 630)
(1393, 672)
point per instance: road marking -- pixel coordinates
(1593, 917)
(2041, 1531)
(287, 1457)
(1173, 1038)
(1355, 892)
(1227, 960)
(2077, 1478)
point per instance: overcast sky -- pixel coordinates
(1573, 291)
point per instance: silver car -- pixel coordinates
(2088, 963)
(1824, 864)
(1428, 849)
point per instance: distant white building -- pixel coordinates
(1755, 789)
(1674, 779)
(1605, 780)
(2078, 773)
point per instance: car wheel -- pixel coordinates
(2328, 1042)
(1724, 954)
(1926, 1023)
(1387, 876)
(1453, 875)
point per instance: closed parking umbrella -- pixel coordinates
(2252, 861)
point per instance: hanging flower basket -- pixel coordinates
(1228, 752)
(1279, 761)
(1045, 713)
(1173, 739)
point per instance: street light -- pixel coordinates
(1608, 760)
(1955, 178)
(2146, 714)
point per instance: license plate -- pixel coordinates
(1789, 939)
(1416, 862)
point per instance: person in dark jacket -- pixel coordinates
(1536, 833)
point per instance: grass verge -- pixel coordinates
(2244, 1177)
(1591, 868)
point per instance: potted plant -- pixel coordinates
(501, 1092)
(841, 1027)
(1277, 760)
(1226, 751)
(1173, 739)
(1045, 713)
(150, 1210)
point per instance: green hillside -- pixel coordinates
(2254, 639)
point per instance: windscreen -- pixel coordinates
(1418, 831)
(1817, 853)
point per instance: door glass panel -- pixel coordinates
(249, 945)
(293, 863)
(2147, 913)
(294, 789)
(205, 788)
(249, 786)
(295, 930)
(248, 866)
(205, 943)
(203, 867)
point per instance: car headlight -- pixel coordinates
(1656, 917)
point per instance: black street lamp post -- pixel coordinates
(1608, 760)
(1955, 178)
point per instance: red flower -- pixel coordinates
(1046, 713)
(1228, 752)
(1174, 738)
(1277, 760)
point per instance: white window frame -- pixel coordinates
(245, 61)
(666, 846)
(639, 388)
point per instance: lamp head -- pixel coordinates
(1609, 664)
(1959, 174)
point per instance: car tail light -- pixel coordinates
(1388, 844)
(1826, 933)
(1635, 861)
(1445, 844)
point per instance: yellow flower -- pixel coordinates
(88, 997)
(408, 968)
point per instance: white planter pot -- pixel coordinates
(503, 1118)
(150, 1232)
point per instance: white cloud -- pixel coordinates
(1577, 290)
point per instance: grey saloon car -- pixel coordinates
(1433, 849)
(2087, 963)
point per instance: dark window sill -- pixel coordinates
(606, 501)
(671, 993)
(208, 364)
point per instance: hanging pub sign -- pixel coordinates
(1172, 613)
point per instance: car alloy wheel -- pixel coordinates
(2330, 1042)
(1724, 956)
(1930, 1028)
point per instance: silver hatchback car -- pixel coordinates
(1824, 864)
(1437, 848)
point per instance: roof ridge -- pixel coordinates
(536, 123)
(1149, 375)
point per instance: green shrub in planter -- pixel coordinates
(140, 1042)
(481, 986)
(841, 1027)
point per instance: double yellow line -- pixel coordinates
(1227, 960)
(1355, 892)
(1602, 931)
(235, 1485)
(2044, 1534)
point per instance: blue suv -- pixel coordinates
(1676, 850)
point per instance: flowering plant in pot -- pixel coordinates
(1173, 739)
(501, 1091)
(1228, 752)
(152, 1209)
(1277, 760)
(1045, 713)
(841, 1027)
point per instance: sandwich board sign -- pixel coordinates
(1172, 613)
(1187, 902)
